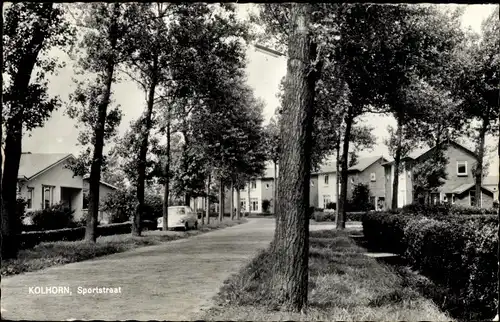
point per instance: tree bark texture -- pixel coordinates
(143, 151)
(397, 161)
(344, 170)
(291, 242)
(13, 143)
(208, 199)
(238, 204)
(337, 178)
(221, 199)
(275, 192)
(480, 158)
(248, 203)
(232, 200)
(167, 177)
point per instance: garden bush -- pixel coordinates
(324, 216)
(57, 216)
(457, 252)
(120, 205)
(444, 210)
(266, 204)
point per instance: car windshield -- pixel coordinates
(177, 211)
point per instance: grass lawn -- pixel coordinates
(49, 254)
(343, 285)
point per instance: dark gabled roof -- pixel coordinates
(417, 153)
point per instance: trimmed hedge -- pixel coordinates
(320, 216)
(32, 238)
(457, 252)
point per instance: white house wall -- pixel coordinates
(58, 176)
(327, 189)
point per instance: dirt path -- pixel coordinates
(172, 281)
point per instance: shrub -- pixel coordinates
(153, 207)
(120, 205)
(266, 204)
(355, 216)
(457, 252)
(331, 205)
(54, 217)
(324, 216)
(441, 210)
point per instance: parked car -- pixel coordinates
(180, 217)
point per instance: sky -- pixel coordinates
(264, 72)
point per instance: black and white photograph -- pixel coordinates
(241, 161)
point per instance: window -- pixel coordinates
(372, 176)
(312, 183)
(326, 200)
(85, 199)
(267, 185)
(254, 184)
(29, 199)
(243, 204)
(254, 204)
(47, 196)
(462, 168)
(372, 201)
(326, 179)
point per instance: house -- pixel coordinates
(458, 188)
(322, 185)
(44, 180)
(491, 183)
(367, 171)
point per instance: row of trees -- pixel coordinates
(413, 62)
(189, 61)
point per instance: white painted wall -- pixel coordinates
(327, 189)
(58, 176)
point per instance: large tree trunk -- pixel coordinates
(167, 177)
(10, 229)
(275, 192)
(498, 238)
(248, 203)
(337, 178)
(291, 242)
(480, 157)
(232, 200)
(344, 170)
(143, 151)
(208, 198)
(13, 143)
(221, 199)
(238, 204)
(397, 161)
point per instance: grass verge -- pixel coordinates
(343, 285)
(50, 254)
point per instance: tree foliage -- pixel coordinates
(30, 30)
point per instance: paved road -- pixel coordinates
(172, 281)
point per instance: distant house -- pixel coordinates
(458, 188)
(44, 180)
(322, 190)
(367, 171)
(491, 183)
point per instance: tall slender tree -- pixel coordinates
(103, 48)
(30, 30)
